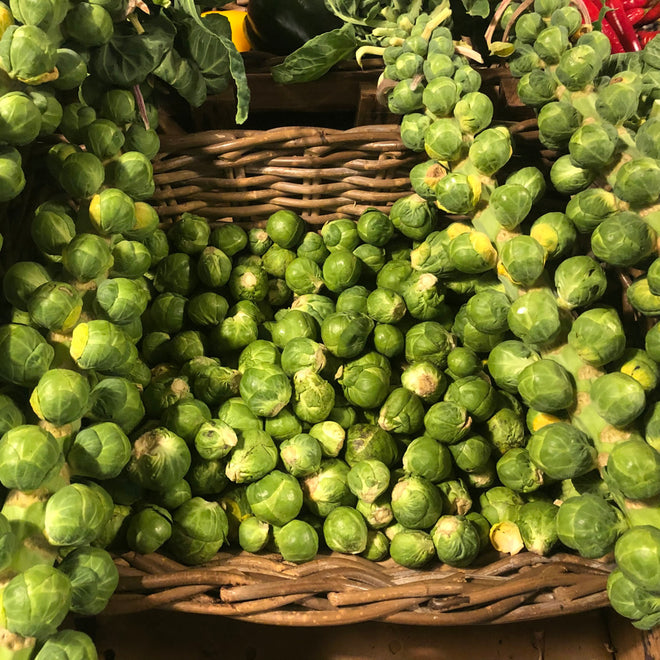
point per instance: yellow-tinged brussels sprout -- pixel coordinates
(28, 54)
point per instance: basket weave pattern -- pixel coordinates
(320, 173)
(336, 589)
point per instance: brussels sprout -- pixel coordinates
(67, 644)
(190, 235)
(21, 280)
(623, 239)
(258, 241)
(28, 55)
(102, 346)
(568, 178)
(86, 257)
(375, 227)
(313, 247)
(402, 412)
(93, 576)
(50, 109)
(629, 599)
(330, 435)
(116, 400)
(185, 418)
(253, 534)
(447, 421)
(367, 441)
(412, 548)
(368, 479)
(377, 514)
(104, 138)
(475, 394)
(637, 554)
(536, 88)
(283, 426)
(633, 467)
(313, 397)
(235, 413)
(229, 238)
(598, 336)
(297, 541)
(618, 398)
(55, 306)
(276, 498)
(587, 209)
(491, 150)
(252, 458)
(81, 175)
(546, 386)
(12, 178)
(199, 529)
(345, 530)
(76, 514)
(412, 216)
(144, 140)
(428, 458)
(557, 123)
(517, 472)
(89, 24)
(510, 203)
(285, 228)
(500, 504)
(132, 172)
(28, 456)
(528, 27)
(266, 389)
(11, 415)
(523, 257)
(637, 181)
(36, 601)
(213, 267)
(640, 365)
(456, 540)
(537, 524)
(642, 299)
(99, 451)
(276, 260)
(27, 355)
(429, 341)
(345, 333)
(373, 258)
(406, 96)
(301, 455)
(579, 281)
(394, 276)
(617, 102)
(327, 488)
(472, 252)
(534, 318)
(588, 524)
(416, 502)
(159, 459)
(123, 300)
(130, 259)
(472, 454)
(148, 529)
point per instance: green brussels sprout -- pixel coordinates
(500, 504)
(89, 24)
(258, 241)
(229, 238)
(301, 455)
(598, 336)
(368, 479)
(534, 318)
(638, 364)
(578, 66)
(11, 415)
(341, 270)
(206, 309)
(623, 239)
(402, 412)
(303, 353)
(260, 352)
(457, 499)
(637, 181)
(266, 389)
(111, 211)
(253, 534)
(505, 429)
(447, 421)
(487, 311)
(593, 145)
(148, 529)
(412, 548)
(199, 529)
(472, 454)
(438, 65)
(190, 235)
(394, 276)
(618, 398)
(159, 459)
(276, 498)
(588, 208)
(414, 126)
(76, 514)
(132, 172)
(12, 178)
(313, 247)
(185, 346)
(456, 540)
(327, 489)
(81, 174)
(176, 273)
(373, 258)
(252, 458)
(424, 297)
(353, 299)
(279, 294)
(118, 105)
(632, 601)
(428, 458)
(588, 524)
(633, 466)
(412, 215)
(123, 300)
(50, 109)
(491, 150)
(313, 397)
(29, 455)
(55, 306)
(546, 386)
(375, 228)
(408, 64)
(642, 299)
(568, 178)
(290, 324)
(517, 472)
(416, 502)
(424, 177)
(248, 283)
(528, 27)
(537, 524)
(27, 54)
(378, 546)
(215, 439)
(27, 355)
(330, 436)
(551, 43)
(104, 138)
(21, 280)
(557, 123)
(510, 203)
(67, 644)
(340, 234)
(86, 257)
(99, 451)
(440, 98)
(637, 554)
(345, 530)
(425, 380)
(432, 254)
(36, 601)
(345, 333)
(536, 87)
(562, 451)
(144, 140)
(167, 312)
(472, 252)
(524, 60)
(130, 259)
(474, 112)
(297, 541)
(235, 413)
(646, 138)
(276, 260)
(388, 340)
(429, 341)
(617, 102)
(102, 346)
(475, 394)
(116, 400)
(523, 257)
(213, 267)
(93, 576)
(368, 441)
(285, 228)
(185, 418)
(283, 426)
(580, 281)
(377, 514)
(466, 79)
(406, 97)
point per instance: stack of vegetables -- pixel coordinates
(430, 384)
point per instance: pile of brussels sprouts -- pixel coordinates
(430, 384)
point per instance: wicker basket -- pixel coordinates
(339, 589)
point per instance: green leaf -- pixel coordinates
(236, 65)
(204, 47)
(128, 58)
(317, 56)
(479, 8)
(184, 76)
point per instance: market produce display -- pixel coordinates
(455, 377)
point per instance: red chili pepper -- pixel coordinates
(636, 15)
(650, 15)
(646, 35)
(633, 4)
(605, 27)
(622, 26)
